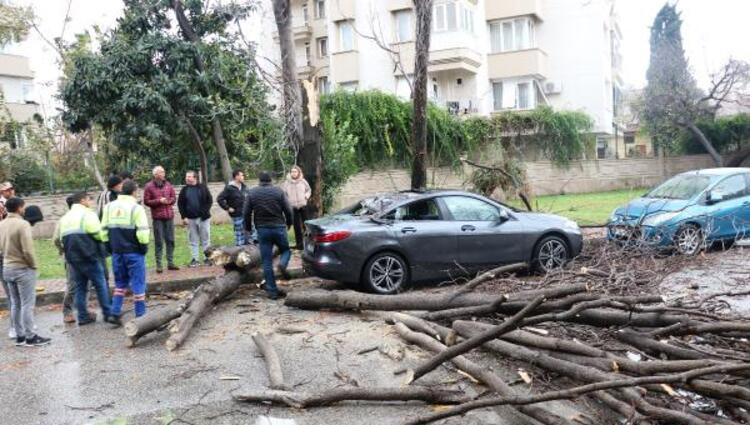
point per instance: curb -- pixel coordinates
(179, 285)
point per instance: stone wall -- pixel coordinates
(545, 179)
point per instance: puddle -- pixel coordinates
(266, 420)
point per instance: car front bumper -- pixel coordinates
(636, 234)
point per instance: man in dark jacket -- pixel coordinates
(232, 200)
(269, 209)
(159, 195)
(194, 204)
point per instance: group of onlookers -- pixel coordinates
(116, 225)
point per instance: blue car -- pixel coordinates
(687, 212)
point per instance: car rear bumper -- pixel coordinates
(327, 266)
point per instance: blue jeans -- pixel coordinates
(268, 237)
(130, 271)
(83, 272)
(239, 230)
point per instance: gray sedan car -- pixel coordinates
(386, 242)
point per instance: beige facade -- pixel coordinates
(17, 102)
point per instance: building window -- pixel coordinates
(350, 87)
(629, 138)
(307, 54)
(404, 31)
(522, 96)
(28, 93)
(346, 36)
(320, 9)
(324, 87)
(323, 47)
(305, 15)
(497, 95)
(444, 17)
(467, 20)
(516, 34)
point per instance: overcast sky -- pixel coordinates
(713, 31)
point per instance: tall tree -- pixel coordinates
(673, 103)
(423, 12)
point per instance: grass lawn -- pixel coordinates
(585, 208)
(51, 264)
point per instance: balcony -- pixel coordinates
(521, 63)
(504, 9)
(393, 5)
(21, 112)
(345, 66)
(342, 10)
(300, 32)
(15, 66)
(453, 59)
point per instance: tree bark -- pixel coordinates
(198, 144)
(218, 132)
(292, 112)
(275, 374)
(476, 340)
(479, 372)
(706, 144)
(739, 157)
(423, 13)
(336, 395)
(140, 326)
(88, 142)
(310, 157)
(351, 300)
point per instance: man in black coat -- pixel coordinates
(269, 209)
(232, 200)
(194, 204)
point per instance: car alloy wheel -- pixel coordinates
(552, 253)
(689, 240)
(386, 273)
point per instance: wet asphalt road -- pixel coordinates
(88, 376)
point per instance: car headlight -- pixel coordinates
(659, 219)
(615, 217)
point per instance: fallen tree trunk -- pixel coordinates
(481, 373)
(241, 257)
(275, 375)
(335, 395)
(140, 326)
(351, 300)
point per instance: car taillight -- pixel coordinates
(333, 236)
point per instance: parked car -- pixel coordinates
(688, 211)
(386, 242)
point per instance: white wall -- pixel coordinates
(13, 89)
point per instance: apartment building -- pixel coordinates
(486, 56)
(17, 87)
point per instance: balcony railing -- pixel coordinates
(530, 62)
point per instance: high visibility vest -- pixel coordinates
(81, 233)
(125, 226)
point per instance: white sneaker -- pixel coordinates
(12, 333)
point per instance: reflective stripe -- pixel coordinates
(121, 226)
(73, 232)
(140, 297)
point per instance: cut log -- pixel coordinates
(336, 395)
(275, 375)
(479, 372)
(476, 341)
(140, 326)
(245, 256)
(351, 300)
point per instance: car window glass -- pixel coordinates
(416, 211)
(732, 187)
(463, 208)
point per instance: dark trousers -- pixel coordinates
(82, 273)
(268, 237)
(300, 215)
(164, 234)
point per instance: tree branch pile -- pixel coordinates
(597, 332)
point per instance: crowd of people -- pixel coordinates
(116, 225)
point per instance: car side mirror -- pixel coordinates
(714, 197)
(503, 216)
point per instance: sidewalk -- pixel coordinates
(51, 291)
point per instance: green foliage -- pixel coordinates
(15, 22)
(727, 134)
(25, 170)
(340, 157)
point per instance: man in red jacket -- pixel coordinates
(159, 195)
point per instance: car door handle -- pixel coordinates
(409, 230)
(468, 228)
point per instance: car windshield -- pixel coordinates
(683, 187)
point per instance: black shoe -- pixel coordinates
(37, 341)
(172, 267)
(283, 272)
(20, 341)
(159, 269)
(207, 262)
(193, 264)
(115, 320)
(279, 294)
(87, 321)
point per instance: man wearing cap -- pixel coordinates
(114, 186)
(268, 208)
(81, 234)
(126, 232)
(6, 192)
